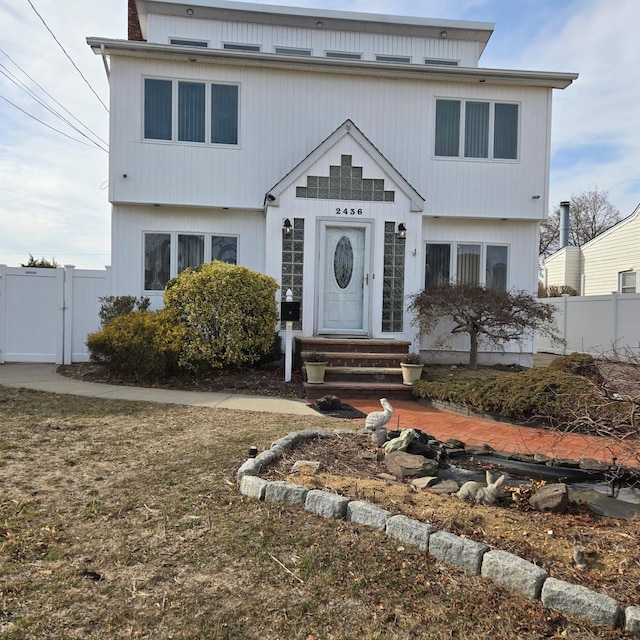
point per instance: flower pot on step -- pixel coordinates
(315, 372)
(411, 372)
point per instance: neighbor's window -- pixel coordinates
(343, 55)
(628, 282)
(189, 114)
(466, 263)
(189, 43)
(232, 46)
(291, 51)
(474, 129)
(399, 59)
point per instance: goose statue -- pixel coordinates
(377, 419)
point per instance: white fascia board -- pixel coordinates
(132, 48)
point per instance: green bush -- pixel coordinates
(579, 364)
(229, 312)
(113, 306)
(144, 344)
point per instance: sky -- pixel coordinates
(53, 190)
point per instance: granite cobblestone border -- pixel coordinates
(503, 568)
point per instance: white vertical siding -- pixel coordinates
(162, 28)
(284, 115)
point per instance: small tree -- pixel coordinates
(229, 311)
(42, 263)
(497, 316)
(590, 214)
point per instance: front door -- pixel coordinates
(343, 285)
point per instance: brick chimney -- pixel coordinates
(134, 31)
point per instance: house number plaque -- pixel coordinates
(348, 212)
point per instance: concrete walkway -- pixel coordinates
(43, 377)
(441, 424)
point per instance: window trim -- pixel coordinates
(453, 259)
(622, 287)
(173, 251)
(490, 130)
(208, 125)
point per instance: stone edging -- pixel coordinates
(503, 568)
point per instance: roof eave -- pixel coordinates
(548, 79)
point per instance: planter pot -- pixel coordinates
(315, 372)
(411, 373)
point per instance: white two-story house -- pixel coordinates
(355, 158)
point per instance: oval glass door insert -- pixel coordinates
(343, 262)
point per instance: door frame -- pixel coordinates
(367, 226)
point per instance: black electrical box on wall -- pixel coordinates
(289, 311)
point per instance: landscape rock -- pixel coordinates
(581, 602)
(379, 436)
(551, 497)
(368, 514)
(424, 482)
(325, 504)
(406, 465)
(514, 573)
(410, 531)
(253, 487)
(447, 486)
(456, 551)
(632, 620)
(604, 505)
(280, 491)
(307, 466)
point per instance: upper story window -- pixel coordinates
(343, 55)
(627, 281)
(232, 46)
(189, 43)
(466, 263)
(441, 62)
(474, 129)
(290, 51)
(190, 111)
(399, 59)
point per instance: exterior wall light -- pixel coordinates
(287, 227)
(402, 232)
(189, 11)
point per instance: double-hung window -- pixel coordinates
(466, 263)
(627, 281)
(476, 129)
(168, 254)
(184, 111)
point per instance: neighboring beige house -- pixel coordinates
(608, 263)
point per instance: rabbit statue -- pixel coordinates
(482, 493)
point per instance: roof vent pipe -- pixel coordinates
(564, 224)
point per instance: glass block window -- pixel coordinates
(345, 182)
(393, 280)
(292, 263)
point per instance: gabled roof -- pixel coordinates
(348, 128)
(615, 229)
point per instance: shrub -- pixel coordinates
(579, 364)
(144, 344)
(456, 390)
(113, 306)
(230, 313)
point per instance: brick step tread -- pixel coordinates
(392, 391)
(354, 386)
(355, 341)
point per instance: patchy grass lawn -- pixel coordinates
(122, 520)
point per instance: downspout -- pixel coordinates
(104, 62)
(564, 224)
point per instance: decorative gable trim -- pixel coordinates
(348, 128)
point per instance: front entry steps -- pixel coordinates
(356, 367)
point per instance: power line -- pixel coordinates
(28, 91)
(68, 56)
(66, 135)
(48, 94)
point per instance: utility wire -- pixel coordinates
(28, 91)
(48, 94)
(66, 135)
(68, 56)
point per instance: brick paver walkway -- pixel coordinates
(499, 435)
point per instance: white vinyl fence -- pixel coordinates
(46, 314)
(594, 324)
